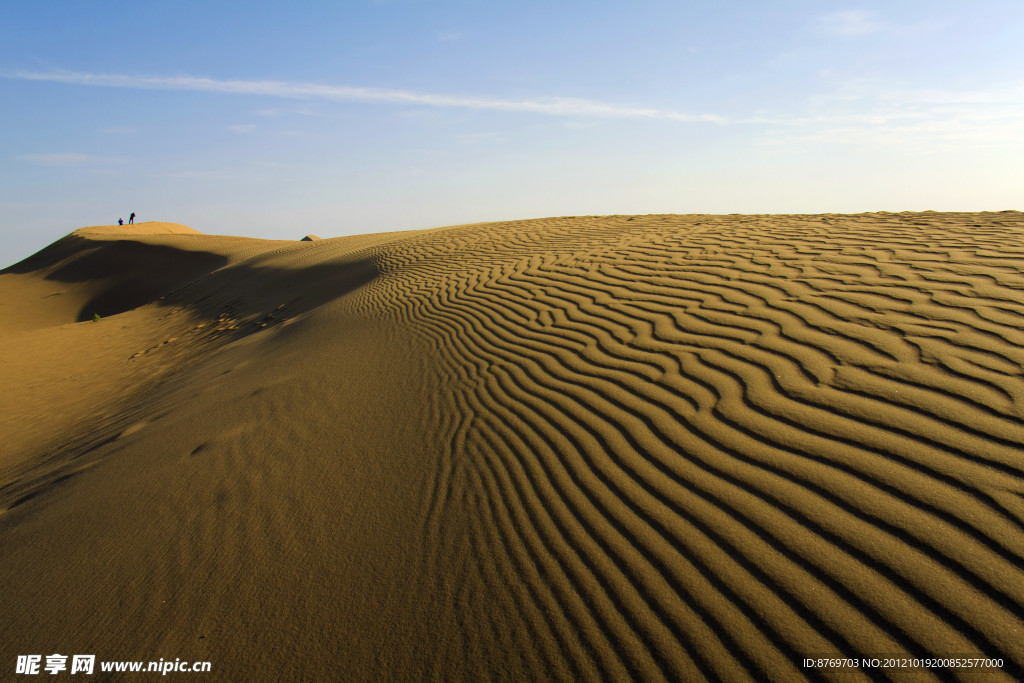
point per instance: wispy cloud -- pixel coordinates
(856, 23)
(854, 113)
(552, 106)
(928, 119)
(850, 23)
(243, 128)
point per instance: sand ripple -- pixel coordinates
(680, 447)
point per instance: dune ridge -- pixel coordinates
(579, 448)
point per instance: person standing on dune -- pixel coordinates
(131, 219)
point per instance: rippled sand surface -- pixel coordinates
(578, 448)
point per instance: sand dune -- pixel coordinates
(582, 448)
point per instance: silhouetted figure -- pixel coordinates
(120, 221)
(131, 219)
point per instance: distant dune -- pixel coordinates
(581, 448)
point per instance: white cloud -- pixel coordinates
(857, 23)
(850, 23)
(449, 36)
(854, 113)
(882, 114)
(552, 106)
(243, 128)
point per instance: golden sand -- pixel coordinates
(659, 447)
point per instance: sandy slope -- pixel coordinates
(665, 447)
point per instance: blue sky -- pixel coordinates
(337, 118)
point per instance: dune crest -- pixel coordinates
(578, 448)
(142, 228)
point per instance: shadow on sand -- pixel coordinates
(121, 275)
